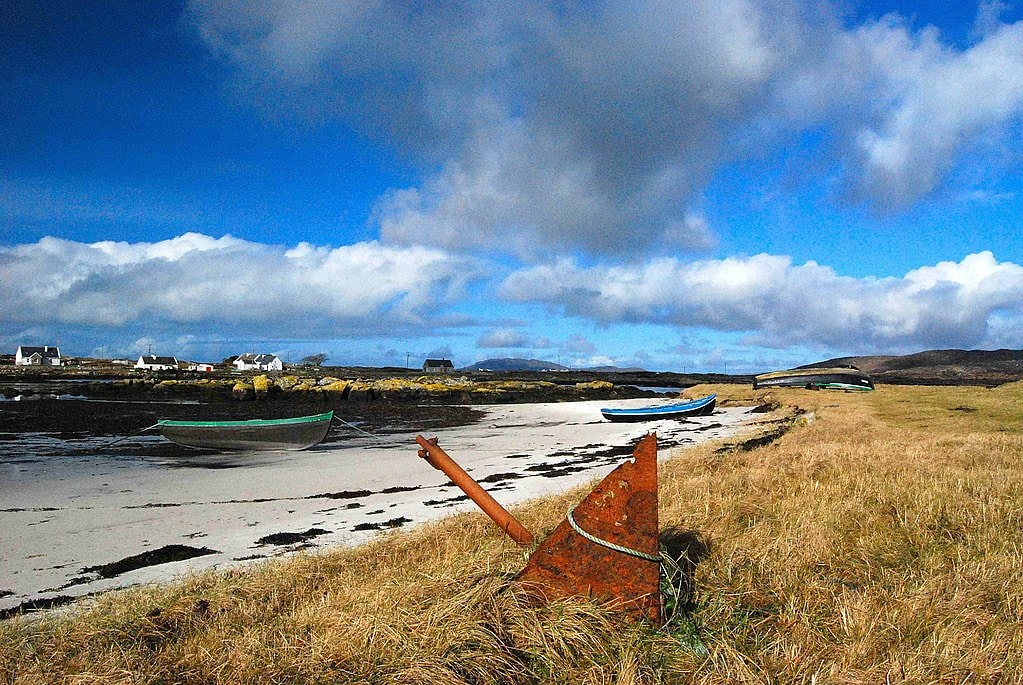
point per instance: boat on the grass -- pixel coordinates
(829, 378)
(296, 433)
(677, 410)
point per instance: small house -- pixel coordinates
(258, 362)
(151, 362)
(438, 366)
(37, 356)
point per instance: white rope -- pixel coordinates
(123, 437)
(354, 427)
(380, 441)
(610, 545)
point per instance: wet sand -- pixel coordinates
(143, 511)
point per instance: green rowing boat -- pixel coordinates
(295, 433)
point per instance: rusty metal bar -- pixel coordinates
(439, 459)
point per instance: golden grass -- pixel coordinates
(881, 541)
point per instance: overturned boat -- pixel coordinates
(829, 378)
(296, 433)
(699, 407)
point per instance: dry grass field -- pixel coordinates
(879, 540)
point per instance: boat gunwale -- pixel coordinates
(853, 387)
(663, 409)
(248, 423)
(816, 371)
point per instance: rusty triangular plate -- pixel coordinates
(622, 511)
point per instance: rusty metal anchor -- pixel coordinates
(607, 546)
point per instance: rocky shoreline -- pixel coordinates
(71, 404)
(447, 389)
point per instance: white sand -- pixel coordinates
(56, 523)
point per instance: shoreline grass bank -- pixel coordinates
(879, 539)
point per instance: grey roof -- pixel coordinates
(45, 351)
(153, 359)
(249, 358)
(439, 362)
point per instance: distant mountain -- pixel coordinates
(983, 367)
(515, 364)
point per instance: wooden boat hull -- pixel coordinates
(699, 407)
(296, 433)
(840, 378)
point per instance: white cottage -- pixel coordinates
(258, 362)
(37, 356)
(151, 362)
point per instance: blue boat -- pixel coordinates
(701, 407)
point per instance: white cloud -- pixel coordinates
(226, 282)
(692, 234)
(937, 102)
(946, 305)
(143, 345)
(503, 338)
(988, 18)
(512, 338)
(442, 352)
(578, 344)
(595, 128)
(570, 127)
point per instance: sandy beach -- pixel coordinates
(73, 527)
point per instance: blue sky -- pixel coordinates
(709, 186)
